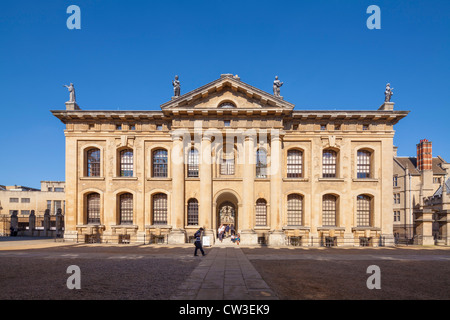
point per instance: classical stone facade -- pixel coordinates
(229, 153)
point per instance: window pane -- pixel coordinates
(57, 206)
(329, 164)
(193, 163)
(363, 164)
(160, 209)
(261, 163)
(126, 208)
(227, 165)
(126, 163)
(192, 212)
(363, 211)
(160, 163)
(261, 212)
(294, 164)
(329, 210)
(93, 163)
(294, 210)
(93, 208)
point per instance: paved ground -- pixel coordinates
(36, 269)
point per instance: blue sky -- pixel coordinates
(127, 53)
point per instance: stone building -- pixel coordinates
(421, 199)
(23, 200)
(415, 178)
(229, 153)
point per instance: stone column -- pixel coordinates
(177, 234)
(205, 202)
(248, 235)
(276, 236)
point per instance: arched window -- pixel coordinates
(261, 163)
(363, 164)
(192, 212)
(294, 210)
(364, 210)
(294, 163)
(329, 161)
(227, 105)
(126, 208)
(329, 209)
(261, 212)
(192, 167)
(160, 208)
(93, 208)
(93, 162)
(126, 163)
(159, 163)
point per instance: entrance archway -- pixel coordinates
(227, 210)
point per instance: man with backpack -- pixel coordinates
(198, 242)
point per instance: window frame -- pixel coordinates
(193, 163)
(294, 163)
(93, 165)
(364, 164)
(160, 163)
(330, 205)
(294, 209)
(261, 213)
(261, 164)
(192, 212)
(330, 163)
(160, 209)
(126, 163)
(364, 210)
(126, 208)
(93, 209)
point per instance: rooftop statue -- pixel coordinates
(176, 87)
(71, 89)
(388, 93)
(276, 87)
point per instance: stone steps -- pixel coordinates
(225, 243)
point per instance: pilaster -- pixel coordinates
(276, 236)
(205, 203)
(177, 234)
(248, 235)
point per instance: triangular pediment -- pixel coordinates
(227, 92)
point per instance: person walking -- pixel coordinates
(232, 231)
(227, 230)
(198, 242)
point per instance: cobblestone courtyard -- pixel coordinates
(37, 270)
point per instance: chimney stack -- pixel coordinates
(424, 155)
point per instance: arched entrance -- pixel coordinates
(226, 210)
